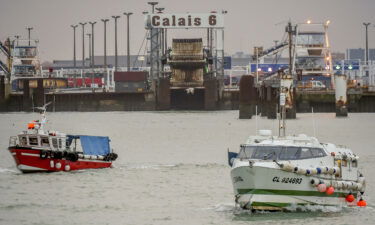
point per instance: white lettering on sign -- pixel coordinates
(184, 21)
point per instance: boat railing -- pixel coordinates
(13, 141)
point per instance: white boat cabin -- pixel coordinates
(55, 142)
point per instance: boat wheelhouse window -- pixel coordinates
(259, 152)
(317, 152)
(354, 163)
(289, 153)
(44, 141)
(293, 153)
(33, 140)
(54, 142)
(60, 143)
(305, 153)
(246, 152)
(23, 140)
(279, 152)
(266, 152)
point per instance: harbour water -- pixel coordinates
(172, 169)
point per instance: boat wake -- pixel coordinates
(236, 210)
(314, 208)
(7, 170)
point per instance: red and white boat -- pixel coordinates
(37, 150)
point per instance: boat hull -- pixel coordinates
(263, 188)
(29, 161)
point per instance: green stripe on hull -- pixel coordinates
(291, 192)
(282, 205)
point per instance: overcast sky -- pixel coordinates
(248, 23)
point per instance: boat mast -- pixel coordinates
(43, 110)
(286, 83)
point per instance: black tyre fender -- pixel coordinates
(43, 154)
(72, 157)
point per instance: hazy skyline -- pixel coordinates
(248, 23)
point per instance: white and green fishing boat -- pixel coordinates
(284, 172)
(274, 173)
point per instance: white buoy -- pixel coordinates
(313, 171)
(339, 185)
(354, 186)
(351, 185)
(58, 165)
(337, 170)
(346, 185)
(332, 170)
(52, 163)
(67, 167)
(301, 171)
(287, 167)
(334, 183)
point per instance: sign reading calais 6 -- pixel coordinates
(184, 21)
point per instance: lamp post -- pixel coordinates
(366, 26)
(92, 44)
(153, 5)
(89, 35)
(83, 44)
(154, 53)
(276, 41)
(128, 39)
(74, 44)
(29, 31)
(17, 37)
(161, 40)
(105, 42)
(115, 17)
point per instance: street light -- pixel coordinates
(74, 44)
(366, 25)
(17, 37)
(128, 39)
(105, 41)
(92, 43)
(276, 41)
(161, 37)
(29, 31)
(115, 17)
(153, 5)
(160, 10)
(83, 44)
(89, 35)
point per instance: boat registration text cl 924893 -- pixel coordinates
(287, 180)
